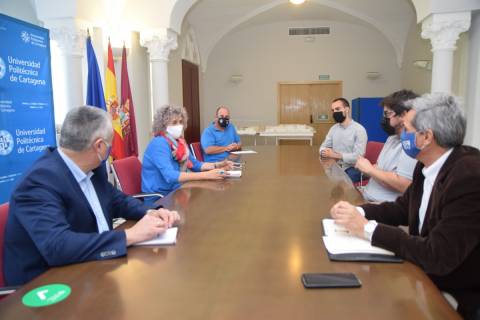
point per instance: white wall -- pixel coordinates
(460, 66)
(473, 92)
(416, 48)
(175, 93)
(265, 55)
(20, 9)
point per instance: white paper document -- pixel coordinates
(234, 174)
(117, 222)
(244, 152)
(168, 237)
(337, 240)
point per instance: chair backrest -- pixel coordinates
(128, 174)
(197, 150)
(373, 151)
(3, 222)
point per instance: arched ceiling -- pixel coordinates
(213, 19)
(135, 15)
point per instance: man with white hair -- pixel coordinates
(62, 208)
(441, 207)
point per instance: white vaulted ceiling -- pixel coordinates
(213, 19)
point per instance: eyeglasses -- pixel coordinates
(389, 114)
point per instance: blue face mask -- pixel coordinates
(408, 143)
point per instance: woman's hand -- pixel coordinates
(225, 165)
(215, 174)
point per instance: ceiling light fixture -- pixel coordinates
(297, 2)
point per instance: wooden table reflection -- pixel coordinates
(242, 247)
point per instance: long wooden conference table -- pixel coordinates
(241, 249)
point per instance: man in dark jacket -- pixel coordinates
(62, 209)
(441, 207)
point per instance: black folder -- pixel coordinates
(364, 257)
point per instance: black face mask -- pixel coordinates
(338, 116)
(223, 122)
(387, 127)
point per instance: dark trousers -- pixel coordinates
(354, 174)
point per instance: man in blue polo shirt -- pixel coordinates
(220, 137)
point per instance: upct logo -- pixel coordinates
(25, 36)
(3, 68)
(6, 143)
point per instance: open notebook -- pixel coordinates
(341, 246)
(166, 238)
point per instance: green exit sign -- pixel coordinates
(324, 77)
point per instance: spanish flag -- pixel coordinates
(118, 148)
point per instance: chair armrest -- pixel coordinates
(362, 183)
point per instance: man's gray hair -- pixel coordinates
(165, 114)
(444, 115)
(83, 125)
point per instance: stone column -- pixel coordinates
(69, 37)
(443, 30)
(159, 43)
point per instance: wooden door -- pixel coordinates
(191, 100)
(308, 103)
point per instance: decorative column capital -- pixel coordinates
(443, 29)
(71, 41)
(159, 43)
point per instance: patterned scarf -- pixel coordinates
(179, 150)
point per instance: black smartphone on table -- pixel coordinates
(330, 280)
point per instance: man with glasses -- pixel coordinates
(220, 138)
(392, 174)
(346, 140)
(62, 209)
(441, 207)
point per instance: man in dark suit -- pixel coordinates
(441, 207)
(62, 208)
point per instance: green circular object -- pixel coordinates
(46, 295)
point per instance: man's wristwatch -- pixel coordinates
(369, 228)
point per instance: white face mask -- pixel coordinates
(175, 131)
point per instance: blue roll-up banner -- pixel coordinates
(27, 124)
